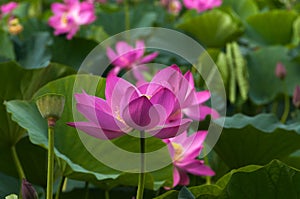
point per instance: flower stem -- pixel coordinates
(18, 166)
(87, 191)
(206, 162)
(286, 108)
(141, 184)
(50, 161)
(60, 187)
(106, 194)
(286, 105)
(127, 15)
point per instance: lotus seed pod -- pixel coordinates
(51, 106)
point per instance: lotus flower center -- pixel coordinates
(178, 151)
(118, 116)
(148, 96)
(64, 19)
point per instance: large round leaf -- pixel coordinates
(213, 28)
(19, 83)
(275, 180)
(256, 140)
(273, 27)
(244, 8)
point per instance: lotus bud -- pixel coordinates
(28, 192)
(51, 107)
(296, 97)
(280, 71)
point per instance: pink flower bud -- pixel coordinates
(280, 70)
(28, 192)
(174, 7)
(296, 97)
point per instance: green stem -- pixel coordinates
(274, 107)
(141, 184)
(18, 166)
(206, 162)
(17, 162)
(60, 187)
(106, 194)
(50, 162)
(86, 187)
(127, 15)
(286, 104)
(286, 108)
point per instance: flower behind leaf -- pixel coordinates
(191, 101)
(129, 58)
(184, 151)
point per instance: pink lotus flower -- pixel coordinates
(191, 101)
(184, 151)
(130, 58)
(150, 108)
(8, 8)
(202, 5)
(68, 17)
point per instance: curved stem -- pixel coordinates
(50, 162)
(18, 166)
(60, 187)
(17, 162)
(141, 184)
(286, 108)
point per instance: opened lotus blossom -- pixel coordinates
(184, 151)
(191, 101)
(130, 58)
(151, 108)
(68, 17)
(202, 5)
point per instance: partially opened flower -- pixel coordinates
(149, 108)
(70, 15)
(190, 100)
(130, 58)
(202, 5)
(184, 151)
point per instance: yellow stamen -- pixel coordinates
(14, 26)
(178, 151)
